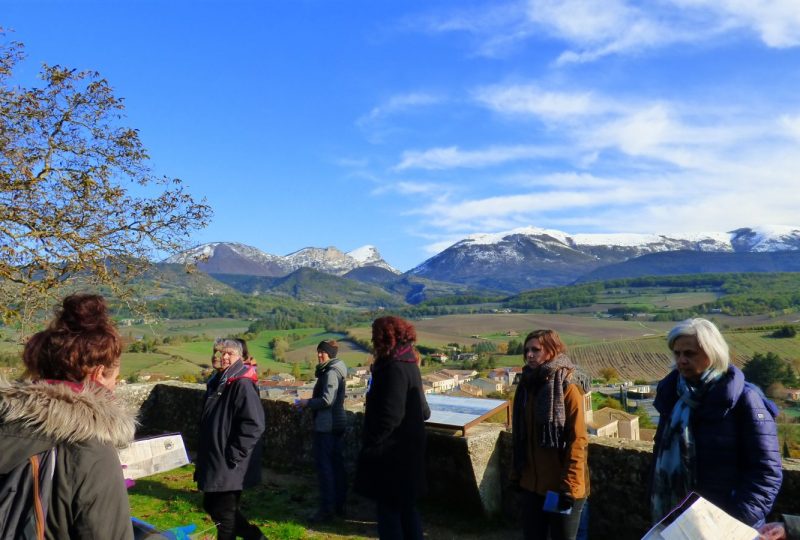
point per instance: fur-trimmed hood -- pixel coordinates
(37, 416)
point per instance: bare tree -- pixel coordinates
(78, 199)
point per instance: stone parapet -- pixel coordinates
(466, 475)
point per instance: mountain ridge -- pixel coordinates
(511, 261)
(240, 259)
(531, 257)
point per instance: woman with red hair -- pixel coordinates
(391, 466)
(550, 441)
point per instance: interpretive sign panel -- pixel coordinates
(697, 519)
(462, 412)
(154, 455)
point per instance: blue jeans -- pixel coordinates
(537, 524)
(330, 472)
(583, 527)
(401, 522)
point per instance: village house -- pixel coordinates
(608, 422)
(438, 382)
(281, 377)
(360, 371)
(508, 375)
(482, 387)
(278, 388)
(357, 376)
(468, 389)
(460, 375)
(439, 357)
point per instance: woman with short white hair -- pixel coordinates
(716, 435)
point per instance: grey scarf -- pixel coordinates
(550, 411)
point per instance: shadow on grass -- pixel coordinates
(281, 511)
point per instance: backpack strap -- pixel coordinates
(25, 494)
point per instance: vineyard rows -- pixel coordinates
(647, 359)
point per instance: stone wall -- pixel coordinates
(466, 475)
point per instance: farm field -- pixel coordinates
(213, 327)
(439, 331)
(656, 298)
(132, 363)
(637, 349)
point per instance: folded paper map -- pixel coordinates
(153, 455)
(697, 519)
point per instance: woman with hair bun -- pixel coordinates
(391, 465)
(67, 421)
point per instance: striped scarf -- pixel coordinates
(676, 464)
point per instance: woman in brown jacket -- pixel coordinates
(550, 440)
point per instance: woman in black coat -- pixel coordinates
(391, 466)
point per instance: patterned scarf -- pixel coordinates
(550, 411)
(676, 465)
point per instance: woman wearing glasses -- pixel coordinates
(550, 440)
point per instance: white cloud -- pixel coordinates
(790, 124)
(400, 103)
(777, 22)
(434, 191)
(592, 29)
(532, 100)
(571, 180)
(453, 157)
(640, 133)
(498, 212)
(499, 28)
(585, 22)
(697, 136)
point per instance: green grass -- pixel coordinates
(135, 362)
(280, 507)
(172, 499)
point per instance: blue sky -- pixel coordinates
(411, 124)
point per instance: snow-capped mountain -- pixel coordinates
(333, 261)
(235, 258)
(523, 259)
(532, 257)
(232, 258)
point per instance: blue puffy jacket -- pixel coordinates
(738, 459)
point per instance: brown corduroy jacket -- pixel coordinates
(550, 469)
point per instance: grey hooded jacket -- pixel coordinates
(89, 499)
(327, 400)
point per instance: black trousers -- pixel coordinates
(223, 507)
(330, 472)
(399, 522)
(537, 524)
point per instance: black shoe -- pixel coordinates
(321, 517)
